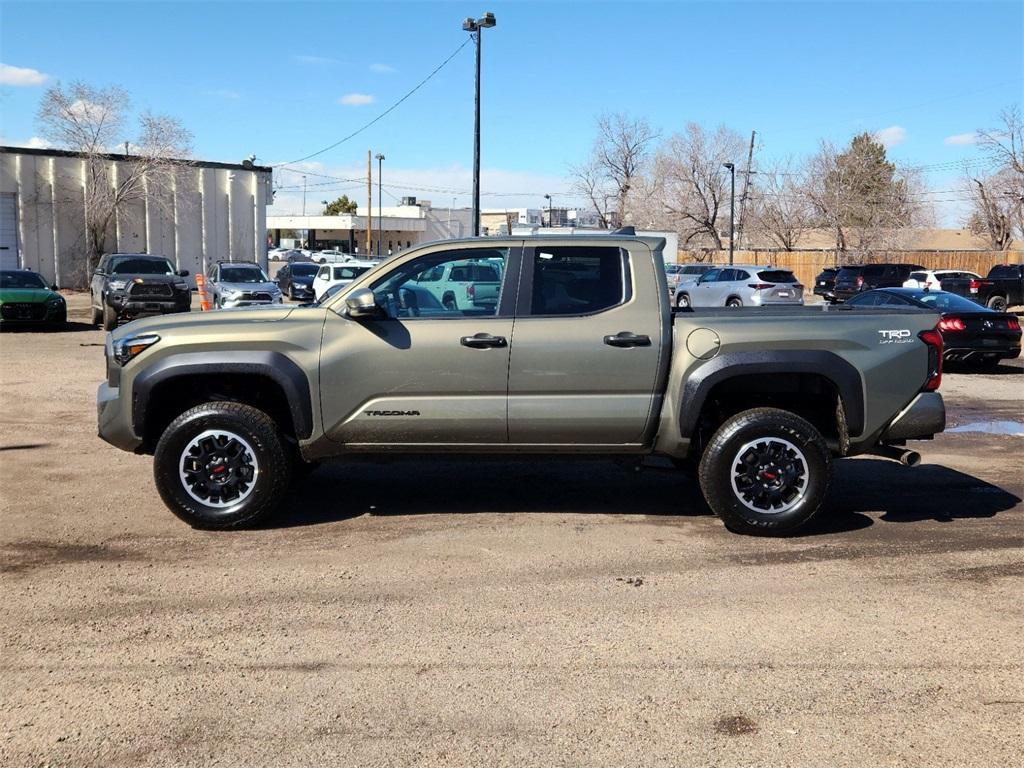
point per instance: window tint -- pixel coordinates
(776, 276)
(131, 266)
(742, 274)
(919, 276)
(303, 270)
(427, 286)
(1004, 270)
(726, 276)
(697, 269)
(864, 300)
(21, 280)
(948, 302)
(576, 280)
(324, 273)
(230, 274)
(848, 273)
(874, 270)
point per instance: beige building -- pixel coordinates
(211, 211)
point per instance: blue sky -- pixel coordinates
(271, 78)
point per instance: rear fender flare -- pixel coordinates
(843, 375)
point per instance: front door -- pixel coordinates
(425, 374)
(704, 292)
(586, 348)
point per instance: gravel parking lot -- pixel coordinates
(502, 613)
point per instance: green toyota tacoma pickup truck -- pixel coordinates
(580, 354)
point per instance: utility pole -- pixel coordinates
(380, 201)
(746, 189)
(369, 198)
(732, 210)
(475, 27)
(303, 194)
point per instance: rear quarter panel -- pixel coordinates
(892, 370)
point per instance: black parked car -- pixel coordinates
(296, 279)
(970, 333)
(825, 282)
(853, 280)
(129, 285)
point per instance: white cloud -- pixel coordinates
(961, 139)
(384, 69)
(892, 136)
(21, 76)
(223, 93)
(356, 99)
(36, 142)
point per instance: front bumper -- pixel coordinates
(299, 291)
(235, 303)
(113, 419)
(48, 312)
(922, 419)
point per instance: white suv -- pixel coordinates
(338, 274)
(742, 285)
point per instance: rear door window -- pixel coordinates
(1002, 271)
(874, 271)
(726, 276)
(577, 280)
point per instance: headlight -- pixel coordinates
(56, 299)
(181, 286)
(117, 285)
(230, 293)
(127, 348)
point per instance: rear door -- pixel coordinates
(586, 346)
(703, 292)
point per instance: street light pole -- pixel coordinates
(380, 200)
(303, 194)
(732, 210)
(551, 207)
(476, 27)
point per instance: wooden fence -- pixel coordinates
(807, 264)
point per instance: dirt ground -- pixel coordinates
(490, 613)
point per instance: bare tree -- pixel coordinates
(92, 121)
(617, 160)
(783, 210)
(997, 199)
(693, 183)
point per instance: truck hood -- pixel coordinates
(159, 324)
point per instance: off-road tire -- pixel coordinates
(109, 318)
(271, 455)
(721, 458)
(734, 302)
(996, 303)
(682, 301)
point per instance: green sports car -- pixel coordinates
(25, 298)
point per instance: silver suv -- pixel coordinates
(241, 284)
(741, 285)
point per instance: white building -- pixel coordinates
(401, 227)
(212, 211)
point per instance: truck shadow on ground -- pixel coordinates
(69, 327)
(888, 491)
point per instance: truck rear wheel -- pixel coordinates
(765, 472)
(222, 465)
(997, 303)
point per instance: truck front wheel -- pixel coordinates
(222, 465)
(765, 472)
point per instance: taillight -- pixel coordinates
(952, 324)
(934, 341)
(1013, 324)
(798, 287)
(974, 285)
(470, 291)
(860, 281)
(760, 286)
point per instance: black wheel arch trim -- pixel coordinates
(275, 366)
(843, 375)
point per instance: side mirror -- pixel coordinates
(362, 303)
(183, 273)
(54, 287)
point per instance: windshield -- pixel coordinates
(947, 302)
(348, 273)
(304, 270)
(21, 280)
(134, 266)
(251, 274)
(848, 273)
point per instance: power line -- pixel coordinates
(383, 114)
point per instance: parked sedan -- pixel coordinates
(295, 280)
(970, 333)
(25, 298)
(241, 284)
(742, 285)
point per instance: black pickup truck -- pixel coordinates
(1003, 288)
